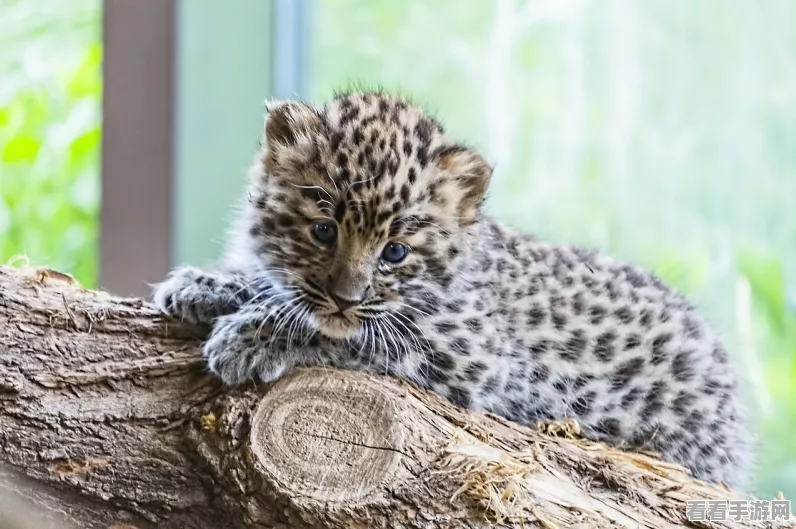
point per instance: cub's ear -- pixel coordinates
(290, 123)
(467, 177)
(291, 131)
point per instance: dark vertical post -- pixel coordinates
(137, 146)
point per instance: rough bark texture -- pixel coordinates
(107, 420)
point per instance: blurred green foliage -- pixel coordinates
(774, 331)
(50, 62)
(661, 132)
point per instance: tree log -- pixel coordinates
(109, 420)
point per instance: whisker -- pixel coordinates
(385, 349)
(429, 349)
(352, 184)
(275, 314)
(296, 326)
(285, 318)
(396, 338)
(313, 187)
(329, 174)
(410, 307)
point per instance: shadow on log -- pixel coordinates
(108, 420)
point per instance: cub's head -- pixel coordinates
(363, 210)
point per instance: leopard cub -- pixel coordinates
(363, 245)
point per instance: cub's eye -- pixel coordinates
(394, 252)
(324, 232)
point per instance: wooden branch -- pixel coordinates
(107, 420)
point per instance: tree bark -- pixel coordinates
(108, 420)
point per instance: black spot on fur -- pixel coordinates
(653, 401)
(624, 315)
(405, 193)
(541, 347)
(334, 141)
(423, 131)
(605, 348)
(582, 380)
(460, 397)
(577, 304)
(626, 372)
(597, 314)
(562, 384)
(459, 345)
(434, 374)
(630, 398)
(646, 318)
(692, 328)
(574, 347)
(339, 211)
(683, 402)
(422, 156)
(474, 370)
(284, 220)
(632, 341)
(559, 321)
(446, 150)
(358, 137)
(634, 277)
(490, 385)
(412, 175)
(540, 373)
(681, 366)
(536, 315)
(609, 426)
(582, 406)
(659, 354)
(474, 324)
(445, 327)
(443, 361)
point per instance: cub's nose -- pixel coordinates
(344, 303)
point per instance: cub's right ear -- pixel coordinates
(290, 124)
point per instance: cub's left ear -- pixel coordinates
(291, 130)
(469, 175)
(288, 123)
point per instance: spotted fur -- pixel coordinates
(479, 313)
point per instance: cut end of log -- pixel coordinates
(330, 438)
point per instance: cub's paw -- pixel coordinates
(239, 350)
(194, 296)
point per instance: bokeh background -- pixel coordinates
(663, 132)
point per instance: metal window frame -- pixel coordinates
(290, 31)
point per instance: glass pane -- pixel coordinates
(663, 133)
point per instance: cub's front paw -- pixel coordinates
(197, 297)
(238, 350)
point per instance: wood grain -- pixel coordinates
(108, 419)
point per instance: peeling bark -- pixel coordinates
(108, 420)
